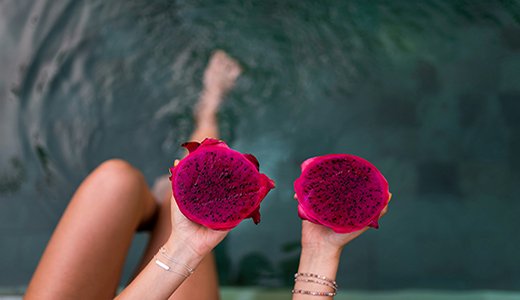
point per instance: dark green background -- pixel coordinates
(429, 91)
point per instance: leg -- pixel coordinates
(219, 78)
(86, 253)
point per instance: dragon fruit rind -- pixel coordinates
(218, 187)
(341, 191)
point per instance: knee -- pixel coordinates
(119, 174)
(118, 189)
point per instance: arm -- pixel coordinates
(321, 251)
(188, 244)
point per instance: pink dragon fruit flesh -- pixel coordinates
(341, 191)
(218, 187)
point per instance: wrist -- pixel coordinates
(315, 256)
(320, 260)
(183, 252)
(324, 250)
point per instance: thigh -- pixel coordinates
(86, 253)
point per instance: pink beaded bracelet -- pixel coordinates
(311, 293)
(323, 278)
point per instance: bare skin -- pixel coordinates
(321, 251)
(86, 253)
(188, 243)
(219, 78)
(85, 256)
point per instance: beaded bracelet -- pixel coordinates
(323, 278)
(317, 281)
(311, 293)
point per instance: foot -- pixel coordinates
(221, 73)
(219, 77)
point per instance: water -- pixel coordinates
(427, 90)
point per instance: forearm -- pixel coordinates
(155, 282)
(317, 261)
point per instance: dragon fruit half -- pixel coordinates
(218, 187)
(341, 191)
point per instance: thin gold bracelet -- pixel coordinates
(166, 267)
(163, 252)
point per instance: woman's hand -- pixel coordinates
(321, 251)
(185, 233)
(323, 239)
(198, 238)
(186, 247)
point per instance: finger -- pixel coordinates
(176, 162)
(173, 204)
(361, 231)
(355, 234)
(384, 211)
(220, 231)
(174, 207)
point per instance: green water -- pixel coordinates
(426, 90)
